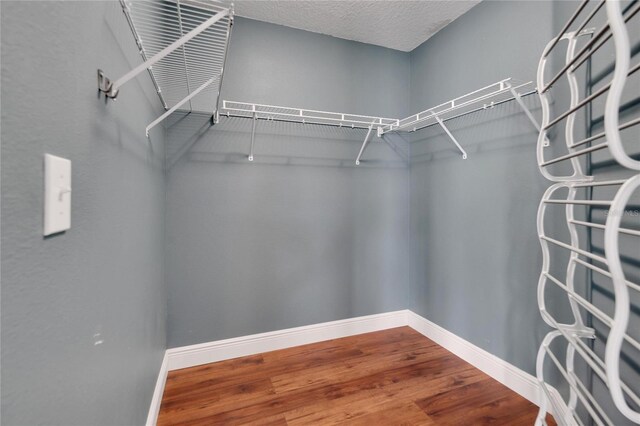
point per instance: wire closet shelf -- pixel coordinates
(574, 191)
(478, 100)
(183, 45)
(485, 98)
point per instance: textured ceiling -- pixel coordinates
(397, 24)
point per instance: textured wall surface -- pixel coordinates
(475, 256)
(103, 279)
(297, 237)
(301, 235)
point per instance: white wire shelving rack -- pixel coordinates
(303, 116)
(485, 98)
(574, 192)
(183, 45)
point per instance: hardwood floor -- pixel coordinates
(390, 377)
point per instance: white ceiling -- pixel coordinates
(397, 24)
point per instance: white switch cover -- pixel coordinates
(57, 194)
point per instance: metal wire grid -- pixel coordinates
(579, 189)
(484, 98)
(578, 57)
(157, 24)
(298, 115)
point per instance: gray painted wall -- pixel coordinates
(475, 256)
(104, 276)
(301, 235)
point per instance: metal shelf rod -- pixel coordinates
(455, 141)
(580, 202)
(586, 100)
(568, 24)
(575, 154)
(364, 145)
(179, 104)
(607, 320)
(599, 183)
(631, 285)
(587, 47)
(253, 137)
(602, 134)
(575, 249)
(578, 393)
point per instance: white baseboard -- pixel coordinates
(189, 356)
(509, 375)
(156, 400)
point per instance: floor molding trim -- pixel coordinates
(509, 375)
(189, 356)
(156, 400)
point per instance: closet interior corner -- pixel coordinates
(260, 215)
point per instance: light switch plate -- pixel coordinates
(57, 194)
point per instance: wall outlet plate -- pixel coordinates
(57, 194)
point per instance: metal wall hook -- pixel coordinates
(106, 86)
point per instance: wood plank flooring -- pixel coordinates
(390, 377)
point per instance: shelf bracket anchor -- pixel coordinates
(253, 135)
(364, 144)
(441, 123)
(111, 88)
(179, 104)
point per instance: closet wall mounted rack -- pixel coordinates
(485, 98)
(183, 45)
(303, 116)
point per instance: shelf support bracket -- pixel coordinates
(526, 110)
(441, 123)
(179, 104)
(364, 144)
(111, 88)
(253, 136)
